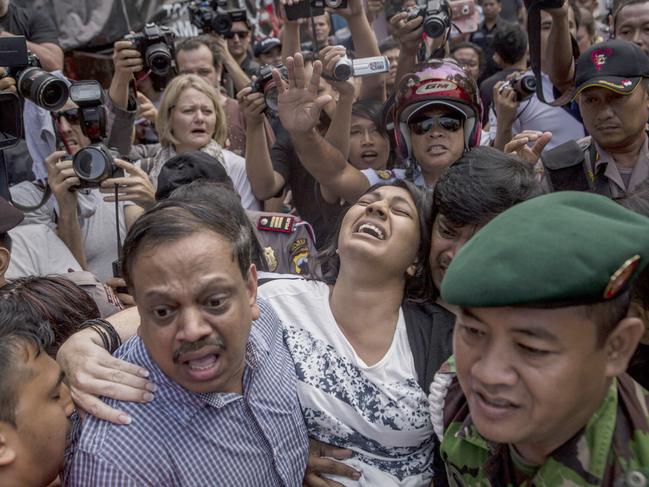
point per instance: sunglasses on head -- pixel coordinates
(232, 33)
(71, 115)
(450, 122)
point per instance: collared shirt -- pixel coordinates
(639, 174)
(612, 448)
(186, 438)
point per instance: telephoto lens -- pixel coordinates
(42, 88)
(158, 57)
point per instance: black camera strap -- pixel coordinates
(534, 32)
(6, 194)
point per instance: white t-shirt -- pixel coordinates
(378, 411)
(37, 251)
(235, 166)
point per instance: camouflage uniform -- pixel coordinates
(612, 450)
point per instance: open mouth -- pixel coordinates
(199, 131)
(369, 154)
(437, 149)
(371, 230)
(202, 364)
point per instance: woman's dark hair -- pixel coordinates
(419, 287)
(54, 299)
(470, 45)
(483, 183)
(371, 110)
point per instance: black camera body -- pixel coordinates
(524, 86)
(32, 82)
(96, 162)
(436, 15)
(213, 16)
(156, 45)
(304, 9)
(264, 83)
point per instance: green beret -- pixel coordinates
(560, 249)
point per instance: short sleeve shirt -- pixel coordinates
(31, 23)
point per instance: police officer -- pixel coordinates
(537, 392)
(612, 92)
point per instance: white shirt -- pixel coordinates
(378, 411)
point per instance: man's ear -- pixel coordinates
(621, 345)
(7, 451)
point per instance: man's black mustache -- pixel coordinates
(197, 345)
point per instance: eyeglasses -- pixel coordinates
(239, 34)
(452, 123)
(71, 115)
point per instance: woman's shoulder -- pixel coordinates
(281, 285)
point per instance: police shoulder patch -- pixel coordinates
(276, 223)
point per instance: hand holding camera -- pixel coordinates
(436, 15)
(7, 83)
(252, 104)
(408, 32)
(156, 47)
(264, 83)
(333, 57)
(505, 103)
(126, 59)
(135, 186)
(62, 180)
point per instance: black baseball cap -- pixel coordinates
(616, 65)
(10, 217)
(265, 45)
(185, 168)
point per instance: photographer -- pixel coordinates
(234, 52)
(532, 114)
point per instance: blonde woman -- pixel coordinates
(189, 118)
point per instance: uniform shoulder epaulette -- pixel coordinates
(276, 223)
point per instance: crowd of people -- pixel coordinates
(435, 275)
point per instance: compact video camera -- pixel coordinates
(156, 45)
(524, 86)
(265, 84)
(96, 162)
(213, 16)
(436, 15)
(32, 82)
(345, 68)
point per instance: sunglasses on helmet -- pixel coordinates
(450, 122)
(71, 115)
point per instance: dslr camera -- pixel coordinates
(523, 85)
(265, 84)
(32, 82)
(213, 16)
(156, 45)
(436, 15)
(96, 162)
(308, 8)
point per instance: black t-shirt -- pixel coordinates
(639, 366)
(306, 192)
(31, 23)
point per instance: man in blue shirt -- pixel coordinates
(225, 411)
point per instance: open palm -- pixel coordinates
(298, 103)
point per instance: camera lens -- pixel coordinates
(343, 69)
(43, 88)
(158, 58)
(270, 95)
(222, 24)
(528, 84)
(435, 26)
(91, 164)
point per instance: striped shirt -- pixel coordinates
(186, 438)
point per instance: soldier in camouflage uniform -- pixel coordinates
(536, 393)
